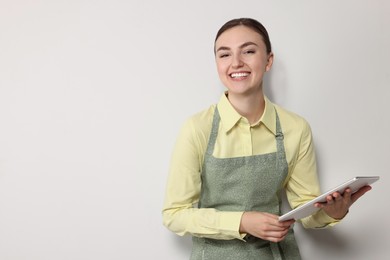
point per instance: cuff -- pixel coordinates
(230, 224)
(320, 220)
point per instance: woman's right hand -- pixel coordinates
(265, 226)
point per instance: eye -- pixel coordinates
(249, 51)
(223, 55)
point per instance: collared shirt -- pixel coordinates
(236, 138)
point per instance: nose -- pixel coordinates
(237, 61)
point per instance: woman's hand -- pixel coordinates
(337, 205)
(265, 226)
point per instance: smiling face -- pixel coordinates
(242, 60)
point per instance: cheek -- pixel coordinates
(260, 68)
(221, 68)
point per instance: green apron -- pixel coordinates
(250, 183)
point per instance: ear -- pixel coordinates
(270, 61)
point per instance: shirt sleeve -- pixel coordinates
(303, 185)
(180, 214)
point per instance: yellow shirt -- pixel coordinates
(236, 137)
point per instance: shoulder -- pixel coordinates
(198, 126)
(203, 118)
(291, 121)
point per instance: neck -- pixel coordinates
(249, 106)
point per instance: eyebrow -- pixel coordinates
(224, 48)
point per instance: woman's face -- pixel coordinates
(242, 60)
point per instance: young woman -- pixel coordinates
(233, 159)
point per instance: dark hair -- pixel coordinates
(250, 23)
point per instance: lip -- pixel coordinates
(239, 75)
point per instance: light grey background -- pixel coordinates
(93, 93)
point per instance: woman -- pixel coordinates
(234, 158)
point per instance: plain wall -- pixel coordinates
(93, 94)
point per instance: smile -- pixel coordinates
(239, 75)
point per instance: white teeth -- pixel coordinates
(238, 75)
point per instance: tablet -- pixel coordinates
(308, 208)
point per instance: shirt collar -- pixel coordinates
(230, 117)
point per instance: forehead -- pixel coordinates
(238, 35)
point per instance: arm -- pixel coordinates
(265, 226)
(183, 190)
(302, 184)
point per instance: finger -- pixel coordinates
(276, 225)
(337, 196)
(347, 194)
(276, 236)
(287, 223)
(274, 220)
(276, 230)
(280, 226)
(272, 216)
(329, 200)
(359, 193)
(322, 205)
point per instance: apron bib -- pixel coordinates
(249, 183)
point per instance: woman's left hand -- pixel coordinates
(337, 205)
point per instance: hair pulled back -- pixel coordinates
(250, 23)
